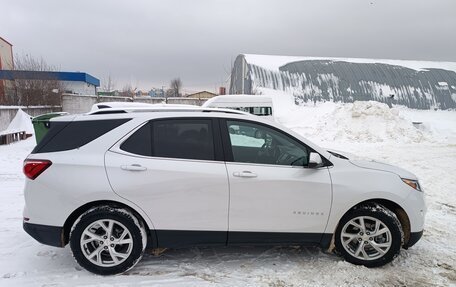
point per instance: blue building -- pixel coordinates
(71, 82)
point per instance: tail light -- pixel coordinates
(34, 167)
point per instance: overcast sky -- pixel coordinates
(147, 43)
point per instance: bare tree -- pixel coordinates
(108, 85)
(175, 87)
(128, 91)
(34, 92)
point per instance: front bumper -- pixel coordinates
(45, 234)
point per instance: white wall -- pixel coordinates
(78, 104)
(79, 88)
(6, 55)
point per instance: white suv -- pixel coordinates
(114, 182)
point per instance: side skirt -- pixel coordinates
(189, 238)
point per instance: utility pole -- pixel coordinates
(164, 94)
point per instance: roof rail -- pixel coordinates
(164, 109)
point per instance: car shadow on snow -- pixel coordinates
(219, 259)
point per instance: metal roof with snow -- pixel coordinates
(416, 84)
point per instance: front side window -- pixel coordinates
(254, 143)
(174, 138)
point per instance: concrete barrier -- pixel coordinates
(186, 101)
(78, 104)
(170, 100)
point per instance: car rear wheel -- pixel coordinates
(370, 235)
(107, 240)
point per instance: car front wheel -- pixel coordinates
(107, 240)
(370, 235)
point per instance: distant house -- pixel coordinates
(202, 95)
(110, 93)
(415, 84)
(157, 93)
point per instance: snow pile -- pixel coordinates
(440, 124)
(372, 122)
(21, 122)
(369, 122)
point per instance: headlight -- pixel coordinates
(412, 183)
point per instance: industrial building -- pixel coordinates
(202, 95)
(6, 62)
(68, 82)
(415, 84)
(72, 82)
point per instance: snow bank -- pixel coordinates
(362, 121)
(441, 124)
(368, 122)
(372, 122)
(21, 122)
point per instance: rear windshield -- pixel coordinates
(70, 135)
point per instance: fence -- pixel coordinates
(77, 104)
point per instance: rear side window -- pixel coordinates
(71, 135)
(175, 138)
(189, 139)
(140, 142)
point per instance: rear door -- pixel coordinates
(174, 170)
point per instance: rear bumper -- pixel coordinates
(414, 238)
(45, 234)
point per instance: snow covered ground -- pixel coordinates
(366, 129)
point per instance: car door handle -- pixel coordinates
(133, 167)
(244, 173)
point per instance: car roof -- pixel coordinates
(239, 100)
(173, 108)
(152, 112)
(120, 105)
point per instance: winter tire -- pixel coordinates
(370, 235)
(107, 240)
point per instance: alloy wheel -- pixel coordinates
(366, 238)
(106, 242)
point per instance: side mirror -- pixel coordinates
(315, 160)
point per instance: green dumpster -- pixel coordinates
(41, 124)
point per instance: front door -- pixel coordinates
(274, 196)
